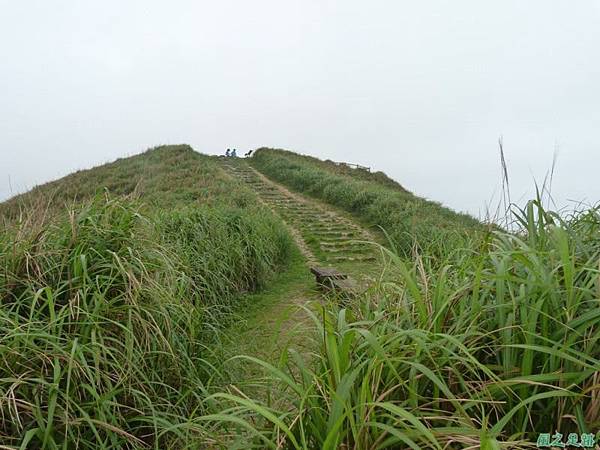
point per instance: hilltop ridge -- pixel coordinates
(372, 197)
(340, 168)
(165, 176)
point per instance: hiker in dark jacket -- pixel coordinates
(227, 153)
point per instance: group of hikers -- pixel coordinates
(233, 153)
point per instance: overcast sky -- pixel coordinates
(421, 90)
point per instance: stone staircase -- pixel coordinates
(330, 237)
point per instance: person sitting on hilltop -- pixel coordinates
(248, 154)
(227, 153)
(233, 153)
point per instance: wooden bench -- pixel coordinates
(334, 280)
(324, 275)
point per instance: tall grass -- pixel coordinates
(110, 310)
(408, 219)
(488, 349)
(225, 251)
(97, 349)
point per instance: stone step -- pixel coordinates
(295, 212)
(345, 232)
(281, 202)
(314, 217)
(351, 258)
(283, 207)
(332, 240)
(313, 233)
(318, 227)
(271, 195)
(347, 251)
(286, 201)
(269, 192)
(345, 243)
(336, 235)
(339, 225)
(311, 213)
(324, 225)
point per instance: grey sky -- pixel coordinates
(421, 90)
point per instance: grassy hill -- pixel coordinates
(163, 177)
(373, 197)
(118, 285)
(333, 167)
(114, 284)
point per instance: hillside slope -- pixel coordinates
(167, 176)
(114, 284)
(336, 168)
(373, 197)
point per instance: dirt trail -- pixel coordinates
(325, 238)
(279, 318)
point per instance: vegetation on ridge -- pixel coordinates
(110, 310)
(406, 218)
(164, 177)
